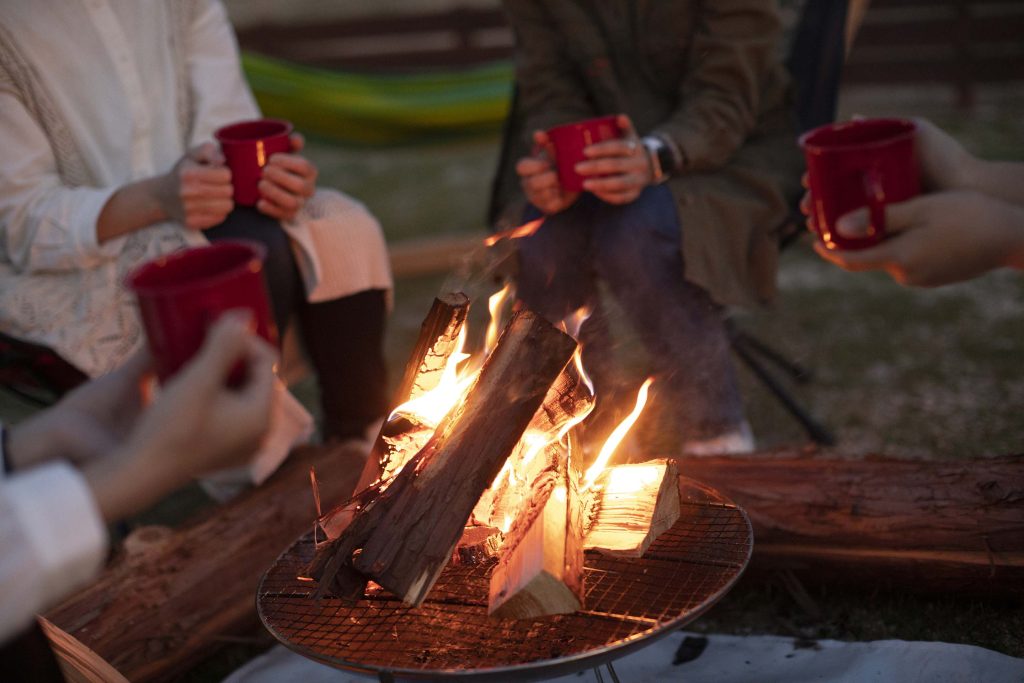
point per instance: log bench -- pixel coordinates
(951, 527)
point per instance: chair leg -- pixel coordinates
(818, 432)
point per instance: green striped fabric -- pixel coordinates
(382, 109)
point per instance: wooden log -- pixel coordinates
(568, 401)
(630, 506)
(477, 545)
(540, 566)
(155, 613)
(398, 440)
(924, 526)
(437, 340)
(407, 534)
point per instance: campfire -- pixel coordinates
(482, 462)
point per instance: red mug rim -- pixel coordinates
(572, 125)
(230, 134)
(907, 130)
(253, 251)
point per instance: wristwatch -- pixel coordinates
(660, 158)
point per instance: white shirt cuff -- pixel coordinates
(63, 527)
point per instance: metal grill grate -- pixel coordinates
(629, 602)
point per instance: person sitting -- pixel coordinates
(677, 217)
(103, 453)
(107, 111)
(969, 221)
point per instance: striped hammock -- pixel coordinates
(382, 109)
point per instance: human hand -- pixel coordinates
(618, 170)
(289, 179)
(199, 423)
(944, 163)
(88, 423)
(197, 191)
(936, 239)
(539, 180)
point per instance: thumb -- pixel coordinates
(899, 216)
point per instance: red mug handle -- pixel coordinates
(875, 195)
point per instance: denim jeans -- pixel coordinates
(633, 252)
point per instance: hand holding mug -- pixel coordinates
(865, 162)
(539, 179)
(197, 191)
(936, 239)
(289, 179)
(616, 170)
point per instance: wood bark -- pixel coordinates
(569, 399)
(926, 526)
(438, 336)
(630, 506)
(540, 567)
(408, 533)
(155, 613)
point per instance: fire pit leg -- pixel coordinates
(611, 672)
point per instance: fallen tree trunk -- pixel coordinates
(156, 612)
(926, 526)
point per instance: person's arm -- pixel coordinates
(733, 50)
(53, 540)
(46, 225)
(52, 516)
(197, 424)
(946, 165)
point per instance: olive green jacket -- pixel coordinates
(705, 74)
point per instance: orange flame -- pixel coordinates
(431, 407)
(495, 304)
(617, 436)
(524, 230)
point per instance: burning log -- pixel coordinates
(630, 506)
(438, 339)
(403, 538)
(540, 570)
(569, 400)
(478, 544)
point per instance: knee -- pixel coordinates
(636, 237)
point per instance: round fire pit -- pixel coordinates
(629, 603)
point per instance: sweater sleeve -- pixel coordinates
(732, 53)
(53, 540)
(45, 225)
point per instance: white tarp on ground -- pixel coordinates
(694, 658)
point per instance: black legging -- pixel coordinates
(343, 337)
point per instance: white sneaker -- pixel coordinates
(740, 440)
